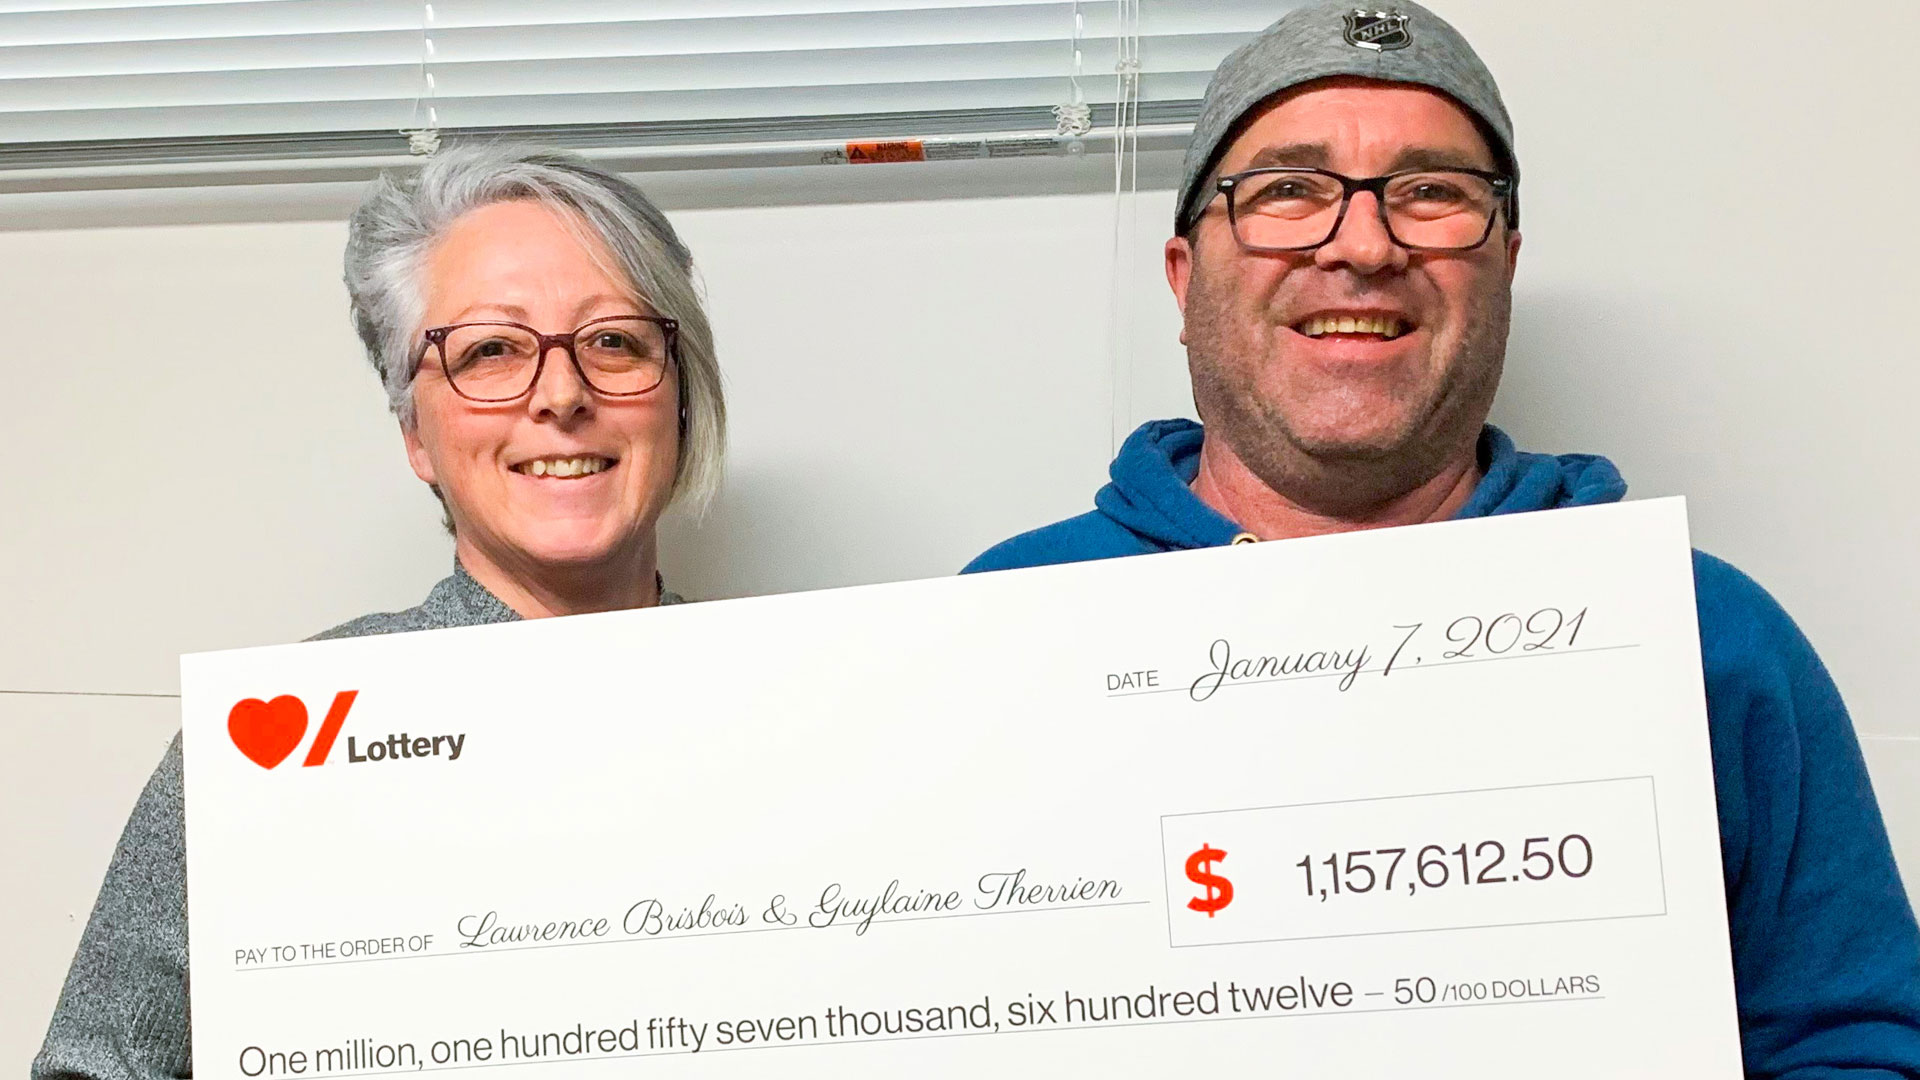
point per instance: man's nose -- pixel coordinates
(1361, 243)
(559, 392)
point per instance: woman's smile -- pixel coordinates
(564, 467)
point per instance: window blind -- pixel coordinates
(87, 83)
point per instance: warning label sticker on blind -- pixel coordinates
(880, 153)
(888, 152)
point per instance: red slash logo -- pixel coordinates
(267, 732)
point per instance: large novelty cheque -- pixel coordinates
(1418, 801)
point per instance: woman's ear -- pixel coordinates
(417, 452)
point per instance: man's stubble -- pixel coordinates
(1331, 476)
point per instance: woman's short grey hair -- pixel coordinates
(396, 226)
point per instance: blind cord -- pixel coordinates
(424, 140)
(1075, 117)
(1126, 187)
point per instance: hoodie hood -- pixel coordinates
(1150, 497)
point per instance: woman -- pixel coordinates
(535, 323)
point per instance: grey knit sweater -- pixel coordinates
(123, 1012)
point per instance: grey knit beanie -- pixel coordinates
(1402, 42)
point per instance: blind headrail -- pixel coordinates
(640, 147)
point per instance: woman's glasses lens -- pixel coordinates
(623, 356)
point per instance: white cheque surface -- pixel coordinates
(1418, 801)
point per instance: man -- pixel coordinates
(1346, 237)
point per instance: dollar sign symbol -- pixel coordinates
(1219, 889)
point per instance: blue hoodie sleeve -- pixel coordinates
(1826, 956)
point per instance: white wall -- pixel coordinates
(1713, 291)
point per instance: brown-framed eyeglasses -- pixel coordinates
(617, 356)
(1299, 209)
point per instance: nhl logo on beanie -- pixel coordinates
(1381, 31)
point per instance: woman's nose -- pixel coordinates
(559, 392)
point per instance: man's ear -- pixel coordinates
(417, 452)
(1513, 254)
(1179, 259)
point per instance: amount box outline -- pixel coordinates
(1659, 851)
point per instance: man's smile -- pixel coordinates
(1355, 325)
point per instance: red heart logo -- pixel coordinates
(267, 731)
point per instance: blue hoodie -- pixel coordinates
(1826, 957)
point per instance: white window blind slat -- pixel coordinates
(897, 68)
(205, 22)
(374, 41)
(204, 49)
(521, 13)
(22, 66)
(48, 6)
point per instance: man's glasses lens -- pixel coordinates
(1285, 209)
(498, 362)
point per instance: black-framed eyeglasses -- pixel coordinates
(491, 362)
(1299, 209)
